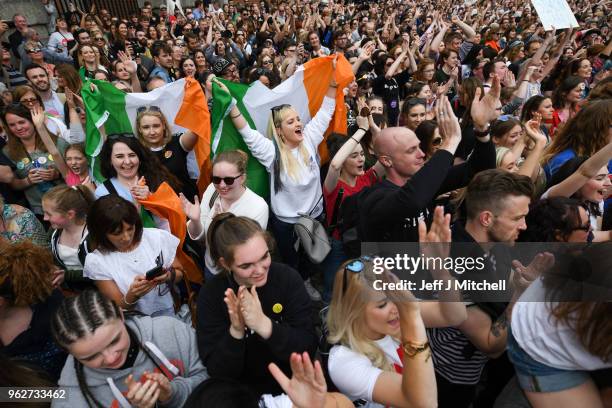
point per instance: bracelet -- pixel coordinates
(364, 130)
(128, 303)
(412, 348)
(234, 117)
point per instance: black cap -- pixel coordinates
(220, 65)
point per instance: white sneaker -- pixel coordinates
(312, 292)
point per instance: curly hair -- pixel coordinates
(25, 273)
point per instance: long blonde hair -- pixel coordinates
(288, 162)
(164, 122)
(345, 318)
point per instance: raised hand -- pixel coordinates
(192, 211)
(448, 124)
(522, 276)
(38, 117)
(307, 387)
(483, 110)
(235, 315)
(250, 307)
(130, 66)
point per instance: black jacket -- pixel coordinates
(393, 212)
(247, 360)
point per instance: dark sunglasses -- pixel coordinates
(276, 109)
(227, 180)
(34, 50)
(355, 266)
(151, 108)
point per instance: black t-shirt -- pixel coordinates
(391, 90)
(174, 158)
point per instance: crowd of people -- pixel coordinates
(467, 123)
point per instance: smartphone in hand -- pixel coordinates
(155, 272)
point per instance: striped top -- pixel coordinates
(455, 357)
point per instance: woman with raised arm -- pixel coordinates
(290, 156)
(381, 352)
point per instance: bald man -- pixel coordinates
(393, 207)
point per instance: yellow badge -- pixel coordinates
(277, 308)
(26, 161)
(50, 157)
(168, 154)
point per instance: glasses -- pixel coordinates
(181, 45)
(151, 108)
(99, 38)
(355, 266)
(116, 136)
(266, 62)
(31, 50)
(227, 180)
(30, 101)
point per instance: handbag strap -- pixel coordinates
(315, 206)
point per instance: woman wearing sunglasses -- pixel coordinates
(256, 313)
(227, 193)
(132, 265)
(290, 156)
(381, 354)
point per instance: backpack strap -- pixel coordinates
(54, 240)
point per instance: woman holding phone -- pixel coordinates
(132, 265)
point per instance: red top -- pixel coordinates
(367, 179)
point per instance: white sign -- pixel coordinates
(555, 13)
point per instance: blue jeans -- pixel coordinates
(330, 265)
(537, 377)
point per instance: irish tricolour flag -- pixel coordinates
(304, 90)
(113, 111)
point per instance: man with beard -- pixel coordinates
(39, 79)
(496, 204)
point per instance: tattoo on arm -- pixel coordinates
(499, 325)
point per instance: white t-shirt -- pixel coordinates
(123, 267)
(355, 375)
(248, 205)
(545, 339)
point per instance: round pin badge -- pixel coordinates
(277, 308)
(21, 165)
(50, 157)
(26, 161)
(41, 160)
(168, 154)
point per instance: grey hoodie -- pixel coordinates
(177, 342)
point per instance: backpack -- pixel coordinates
(352, 222)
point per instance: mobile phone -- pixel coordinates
(155, 272)
(9, 23)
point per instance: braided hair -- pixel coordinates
(80, 316)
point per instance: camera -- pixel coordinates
(226, 34)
